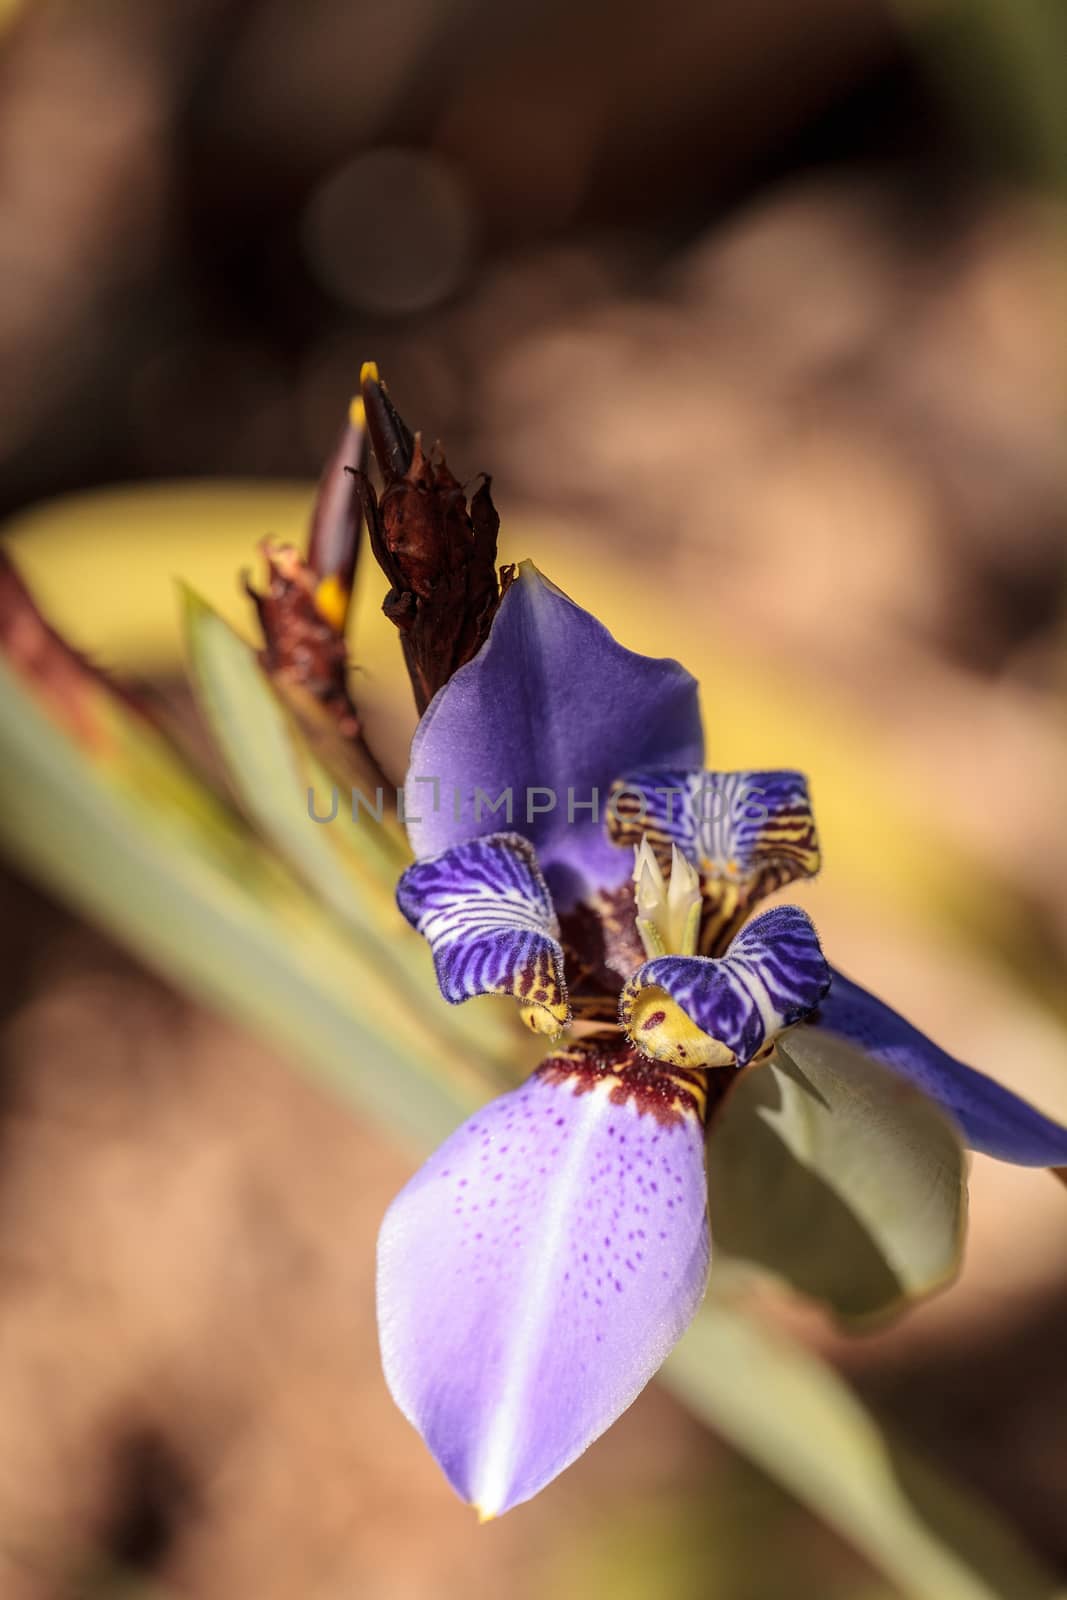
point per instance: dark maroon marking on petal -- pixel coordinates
(667, 1094)
(583, 941)
(601, 948)
(655, 1020)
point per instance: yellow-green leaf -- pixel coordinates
(829, 1171)
(352, 862)
(163, 868)
(794, 1417)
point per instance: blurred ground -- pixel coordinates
(739, 306)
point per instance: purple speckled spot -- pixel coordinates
(486, 1336)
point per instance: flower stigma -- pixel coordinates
(668, 921)
(668, 908)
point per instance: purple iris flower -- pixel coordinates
(572, 852)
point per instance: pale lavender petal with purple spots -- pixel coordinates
(991, 1118)
(773, 974)
(487, 915)
(538, 1270)
(550, 711)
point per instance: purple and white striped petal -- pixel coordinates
(533, 731)
(694, 1011)
(542, 1264)
(990, 1117)
(747, 833)
(487, 915)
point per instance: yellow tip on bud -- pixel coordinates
(368, 373)
(357, 412)
(484, 1516)
(331, 601)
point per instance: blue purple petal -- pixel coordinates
(773, 975)
(486, 913)
(991, 1118)
(549, 712)
(539, 1268)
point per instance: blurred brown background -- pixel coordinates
(770, 295)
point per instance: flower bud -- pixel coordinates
(438, 553)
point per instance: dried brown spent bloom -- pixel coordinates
(303, 650)
(305, 607)
(438, 552)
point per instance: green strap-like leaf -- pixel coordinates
(211, 910)
(829, 1171)
(351, 863)
(272, 769)
(794, 1416)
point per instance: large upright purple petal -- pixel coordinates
(991, 1118)
(550, 711)
(541, 1265)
